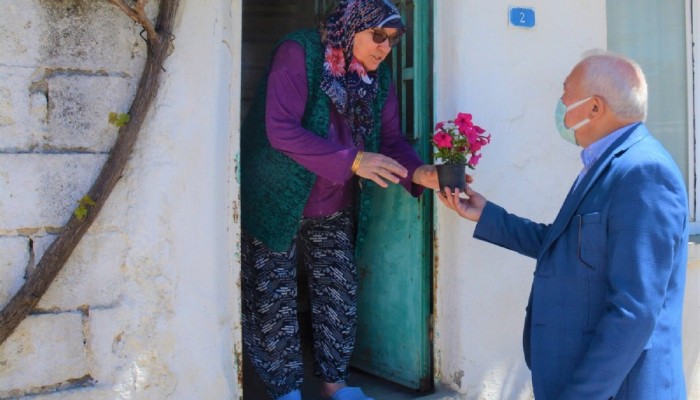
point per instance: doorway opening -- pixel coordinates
(393, 352)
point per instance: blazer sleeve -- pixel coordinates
(510, 231)
(646, 229)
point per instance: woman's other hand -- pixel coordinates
(380, 169)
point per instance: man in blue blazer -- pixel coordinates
(605, 309)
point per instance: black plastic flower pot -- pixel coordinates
(452, 176)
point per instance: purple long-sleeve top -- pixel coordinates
(329, 158)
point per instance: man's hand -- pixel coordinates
(380, 168)
(469, 208)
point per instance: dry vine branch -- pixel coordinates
(38, 281)
(138, 14)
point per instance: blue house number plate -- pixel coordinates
(522, 17)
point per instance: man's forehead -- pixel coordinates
(567, 82)
(571, 79)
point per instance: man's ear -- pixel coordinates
(598, 107)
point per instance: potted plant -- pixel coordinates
(457, 144)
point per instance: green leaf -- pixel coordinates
(87, 201)
(84, 204)
(119, 120)
(80, 212)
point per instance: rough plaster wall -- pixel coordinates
(146, 306)
(510, 83)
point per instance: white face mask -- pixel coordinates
(568, 134)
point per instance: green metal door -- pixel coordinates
(394, 306)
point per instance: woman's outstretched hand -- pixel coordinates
(469, 208)
(380, 169)
(426, 175)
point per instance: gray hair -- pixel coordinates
(619, 81)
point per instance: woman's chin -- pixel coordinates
(372, 67)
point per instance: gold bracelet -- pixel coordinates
(356, 163)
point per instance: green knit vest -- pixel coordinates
(274, 188)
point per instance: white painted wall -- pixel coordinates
(691, 322)
(187, 176)
(510, 79)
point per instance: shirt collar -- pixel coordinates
(592, 153)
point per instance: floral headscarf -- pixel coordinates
(345, 80)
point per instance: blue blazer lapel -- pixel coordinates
(576, 195)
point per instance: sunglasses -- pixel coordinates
(379, 37)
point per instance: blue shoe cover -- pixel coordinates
(350, 393)
(295, 395)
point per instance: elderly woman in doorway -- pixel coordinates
(323, 131)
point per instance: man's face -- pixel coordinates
(573, 92)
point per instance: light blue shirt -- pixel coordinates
(592, 153)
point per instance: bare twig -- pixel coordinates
(141, 6)
(59, 251)
(138, 14)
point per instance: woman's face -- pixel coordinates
(369, 53)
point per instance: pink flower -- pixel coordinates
(471, 135)
(443, 140)
(474, 160)
(335, 61)
(465, 124)
(464, 119)
(468, 132)
(475, 146)
(459, 141)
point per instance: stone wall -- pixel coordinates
(64, 66)
(144, 308)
